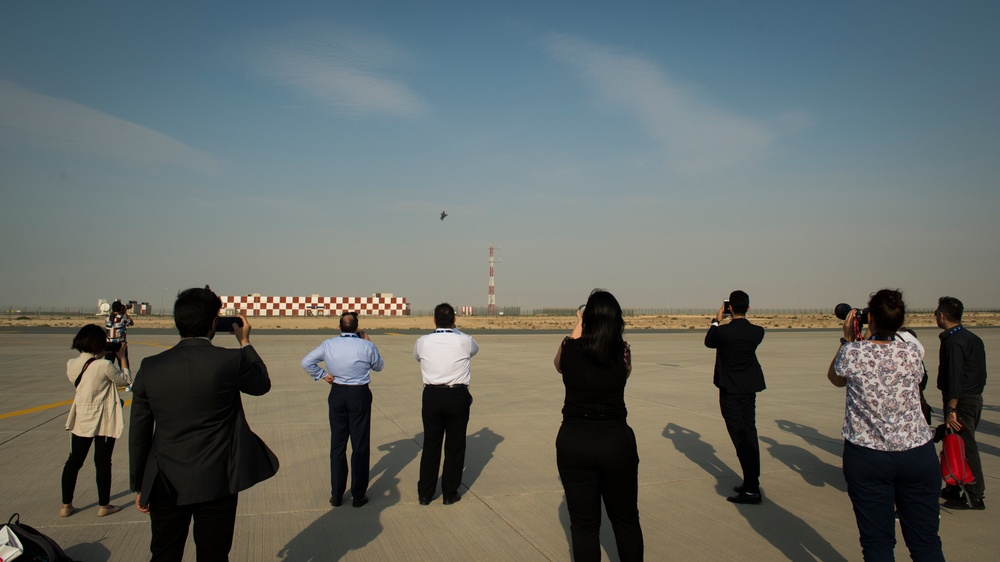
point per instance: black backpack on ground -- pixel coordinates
(37, 546)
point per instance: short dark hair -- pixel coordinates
(118, 306)
(888, 310)
(349, 322)
(739, 302)
(444, 315)
(195, 312)
(951, 308)
(90, 339)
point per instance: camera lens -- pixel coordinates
(842, 310)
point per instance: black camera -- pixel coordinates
(224, 324)
(843, 309)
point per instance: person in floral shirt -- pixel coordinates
(889, 459)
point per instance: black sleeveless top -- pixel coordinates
(592, 392)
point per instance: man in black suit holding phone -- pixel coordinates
(190, 448)
(739, 377)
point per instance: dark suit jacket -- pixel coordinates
(736, 367)
(187, 423)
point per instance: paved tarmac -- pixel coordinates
(513, 506)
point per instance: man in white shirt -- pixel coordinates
(445, 357)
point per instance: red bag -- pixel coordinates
(955, 468)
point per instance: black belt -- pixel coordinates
(446, 385)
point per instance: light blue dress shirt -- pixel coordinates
(348, 358)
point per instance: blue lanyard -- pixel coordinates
(887, 338)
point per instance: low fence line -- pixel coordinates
(78, 312)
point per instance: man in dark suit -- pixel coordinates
(190, 448)
(739, 378)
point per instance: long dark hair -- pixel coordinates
(603, 327)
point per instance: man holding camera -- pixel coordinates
(117, 324)
(349, 360)
(961, 379)
(739, 377)
(190, 449)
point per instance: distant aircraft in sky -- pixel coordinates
(443, 215)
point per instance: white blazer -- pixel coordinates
(96, 409)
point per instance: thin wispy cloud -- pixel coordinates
(48, 123)
(348, 73)
(697, 135)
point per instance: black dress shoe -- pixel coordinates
(425, 501)
(358, 502)
(335, 502)
(746, 497)
(961, 503)
(453, 499)
(738, 489)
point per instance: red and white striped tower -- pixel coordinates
(491, 300)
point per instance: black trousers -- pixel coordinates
(350, 417)
(599, 460)
(740, 413)
(104, 447)
(970, 412)
(214, 523)
(445, 414)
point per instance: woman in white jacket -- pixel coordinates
(95, 416)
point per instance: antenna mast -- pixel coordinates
(491, 299)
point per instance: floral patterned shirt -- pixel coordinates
(883, 395)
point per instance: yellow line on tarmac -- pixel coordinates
(392, 334)
(149, 343)
(43, 408)
(35, 409)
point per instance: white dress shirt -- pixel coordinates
(445, 356)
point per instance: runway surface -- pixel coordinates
(513, 506)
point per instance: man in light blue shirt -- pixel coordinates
(349, 361)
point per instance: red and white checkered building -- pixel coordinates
(315, 305)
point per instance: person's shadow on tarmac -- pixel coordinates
(479, 449)
(807, 465)
(793, 537)
(357, 527)
(689, 444)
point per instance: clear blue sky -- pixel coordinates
(806, 152)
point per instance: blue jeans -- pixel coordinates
(881, 483)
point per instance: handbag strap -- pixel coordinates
(85, 365)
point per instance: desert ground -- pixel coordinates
(389, 323)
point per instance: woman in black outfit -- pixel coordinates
(595, 449)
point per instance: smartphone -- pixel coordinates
(224, 324)
(726, 311)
